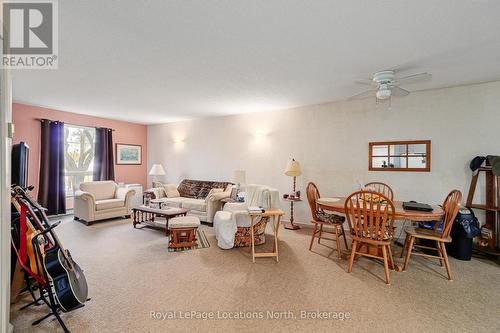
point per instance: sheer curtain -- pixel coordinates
(103, 158)
(51, 191)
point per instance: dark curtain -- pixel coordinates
(104, 165)
(51, 192)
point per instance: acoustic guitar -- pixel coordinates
(67, 277)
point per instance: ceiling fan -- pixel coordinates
(385, 84)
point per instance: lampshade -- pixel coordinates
(293, 169)
(239, 176)
(157, 170)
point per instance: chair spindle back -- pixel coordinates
(312, 195)
(451, 206)
(381, 188)
(370, 215)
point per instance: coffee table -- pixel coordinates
(146, 215)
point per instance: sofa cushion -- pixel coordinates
(174, 202)
(109, 203)
(171, 191)
(159, 192)
(101, 189)
(194, 204)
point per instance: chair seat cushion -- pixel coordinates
(109, 203)
(184, 222)
(194, 204)
(329, 217)
(426, 234)
(367, 234)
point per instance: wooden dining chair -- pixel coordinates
(371, 217)
(333, 223)
(451, 206)
(381, 188)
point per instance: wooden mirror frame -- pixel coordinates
(393, 143)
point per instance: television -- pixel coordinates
(19, 165)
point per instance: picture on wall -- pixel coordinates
(128, 154)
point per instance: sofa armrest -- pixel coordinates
(124, 192)
(235, 206)
(86, 196)
(217, 196)
(214, 204)
(84, 205)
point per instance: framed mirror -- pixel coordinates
(400, 156)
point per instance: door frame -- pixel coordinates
(6, 131)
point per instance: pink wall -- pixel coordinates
(27, 129)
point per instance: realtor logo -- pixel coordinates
(30, 39)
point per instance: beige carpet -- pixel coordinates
(131, 273)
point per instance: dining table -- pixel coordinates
(337, 204)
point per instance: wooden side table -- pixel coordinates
(276, 215)
(225, 201)
(291, 225)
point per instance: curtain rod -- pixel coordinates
(43, 119)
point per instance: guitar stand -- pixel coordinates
(47, 296)
(34, 279)
(28, 288)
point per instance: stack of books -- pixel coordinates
(255, 210)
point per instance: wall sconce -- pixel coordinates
(259, 134)
(178, 140)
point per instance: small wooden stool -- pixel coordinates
(183, 231)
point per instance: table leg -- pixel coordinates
(134, 217)
(167, 232)
(252, 238)
(276, 223)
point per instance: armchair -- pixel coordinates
(232, 225)
(102, 200)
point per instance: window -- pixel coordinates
(400, 156)
(79, 144)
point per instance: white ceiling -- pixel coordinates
(159, 61)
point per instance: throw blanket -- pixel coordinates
(226, 225)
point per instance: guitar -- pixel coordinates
(67, 277)
(32, 240)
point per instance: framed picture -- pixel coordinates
(128, 154)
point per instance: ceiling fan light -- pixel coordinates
(383, 94)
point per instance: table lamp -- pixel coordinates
(156, 170)
(293, 170)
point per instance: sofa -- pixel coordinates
(101, 200)
(201, 198)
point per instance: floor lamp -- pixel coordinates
(293, 170)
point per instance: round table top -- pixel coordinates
(338, 206)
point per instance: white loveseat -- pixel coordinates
(102, 200)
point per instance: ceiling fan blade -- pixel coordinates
(364, 94)
(397, 91)
(420, 77)
(366, 82)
